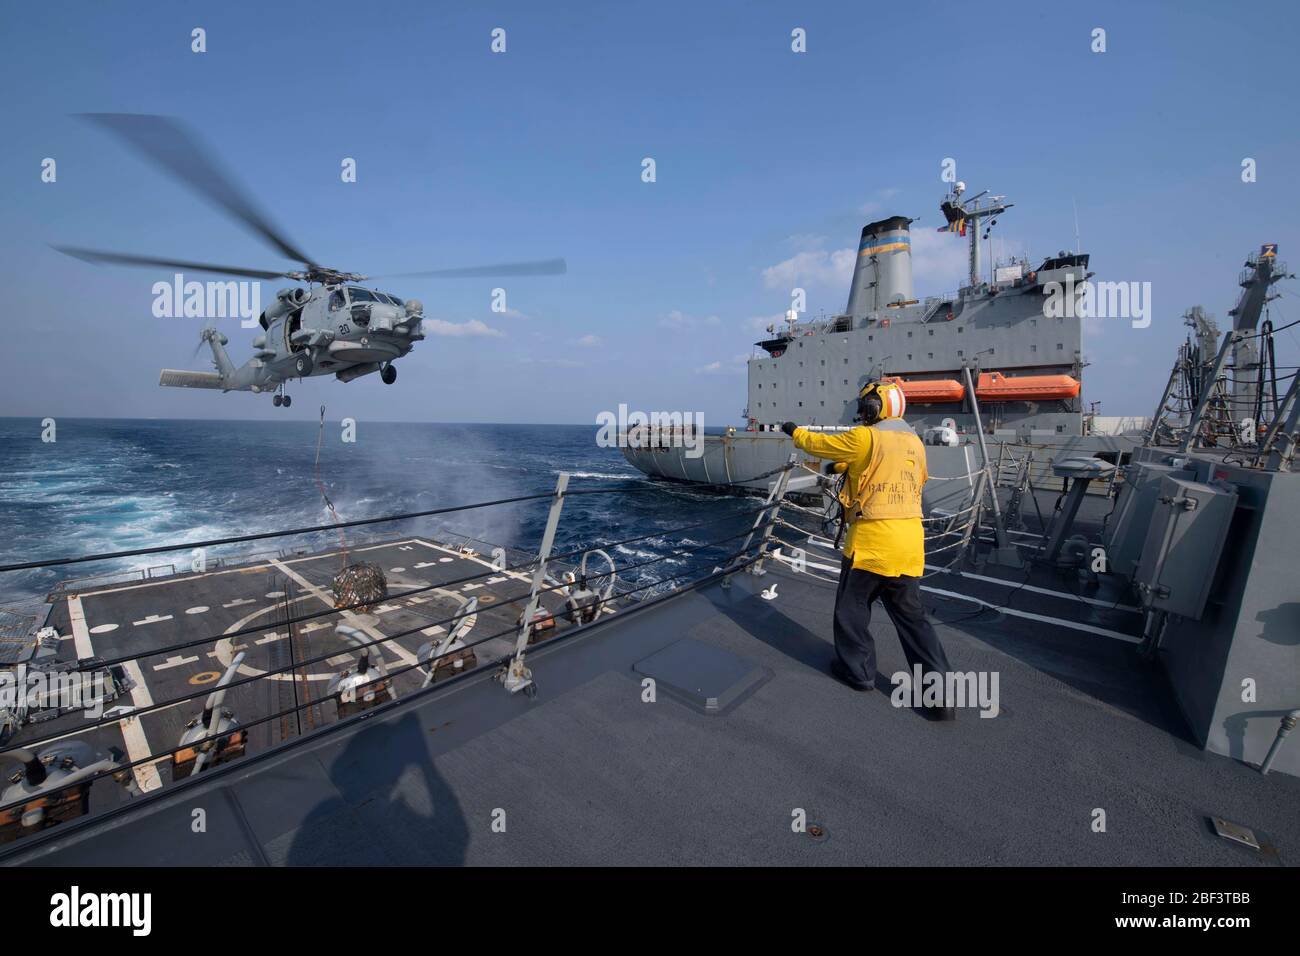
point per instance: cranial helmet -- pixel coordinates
(880, 400)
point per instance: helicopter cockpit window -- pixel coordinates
(390, 299)
(360, 295)
(337, 301)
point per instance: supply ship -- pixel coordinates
(996, 342)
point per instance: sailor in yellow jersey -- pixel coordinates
(884, 544)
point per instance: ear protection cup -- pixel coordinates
(880, 400)
(869, 409)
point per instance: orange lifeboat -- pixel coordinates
(996, 387)
(929, 391)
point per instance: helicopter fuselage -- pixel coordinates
(342, 330)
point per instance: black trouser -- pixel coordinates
(902, 599)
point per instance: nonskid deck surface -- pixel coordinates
(147, 618)
(593, 772)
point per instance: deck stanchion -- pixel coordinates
(764, 520)
(517, 677)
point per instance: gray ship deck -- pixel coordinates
(588, 773)
(117, 620)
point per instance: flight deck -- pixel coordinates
(175, 637)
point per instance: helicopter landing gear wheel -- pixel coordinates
(278, 400)
(288, 400)
(302, 366)
(388, 374)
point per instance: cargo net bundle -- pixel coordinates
(360, 586)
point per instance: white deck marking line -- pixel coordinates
(137, 744)
(80, 634)
(1027, 615)
(386, 608)
(153, 619)
(175, 661)
(517, 575)
(375, 634)
(271, 638)
(436, 629)
(239, 602)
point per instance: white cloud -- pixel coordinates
(940, 258)
(710, 368)
(811, 267)
(470, 329)
(589, 341)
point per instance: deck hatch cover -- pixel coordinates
(706, 678)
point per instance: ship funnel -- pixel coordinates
(882, 274)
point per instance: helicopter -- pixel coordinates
(335, 326)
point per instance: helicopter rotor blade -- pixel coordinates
(126, 259)
(544, 267)
(166, 142)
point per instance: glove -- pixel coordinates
(832, 468)
(788, 428)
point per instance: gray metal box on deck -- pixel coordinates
(1189, 522)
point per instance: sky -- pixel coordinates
(767, 164)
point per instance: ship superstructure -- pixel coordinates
(1027, 364)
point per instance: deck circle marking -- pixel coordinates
(196, 610)
(225, 651)
(103, 628)
(205, 677)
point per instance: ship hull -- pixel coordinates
(745, 461)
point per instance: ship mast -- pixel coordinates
(965, 215)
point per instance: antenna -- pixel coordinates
(1077, 247)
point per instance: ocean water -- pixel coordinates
(110, 485)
